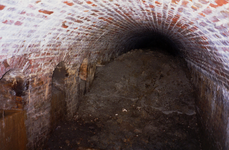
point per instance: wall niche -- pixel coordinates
(13, 87)
(58, 100)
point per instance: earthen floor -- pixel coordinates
(142, 100)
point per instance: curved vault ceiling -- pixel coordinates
(35, 35)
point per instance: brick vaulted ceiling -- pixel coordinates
(35, 35)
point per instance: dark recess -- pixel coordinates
(153, 41)
(20, 86)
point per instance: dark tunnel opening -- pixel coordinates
(154, 41)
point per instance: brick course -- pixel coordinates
(36, 35)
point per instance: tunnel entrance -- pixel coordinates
(154, 41)
(143, 100)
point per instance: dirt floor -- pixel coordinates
(143, 100)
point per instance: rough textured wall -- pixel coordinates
(35, 35)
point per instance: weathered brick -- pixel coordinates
(70, 31)
(2, 7)
(45, 12)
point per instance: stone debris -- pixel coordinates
(124, 110)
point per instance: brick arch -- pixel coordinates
(39, 34)
(16, 62)
(79, 23)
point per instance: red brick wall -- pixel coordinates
(36, 35)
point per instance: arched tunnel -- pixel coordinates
(41, 38)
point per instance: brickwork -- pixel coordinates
(212, 109)
(35, 35)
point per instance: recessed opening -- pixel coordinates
(58, 102)
(13, 90)
(154, 41)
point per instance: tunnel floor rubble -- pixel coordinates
(143, 100)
